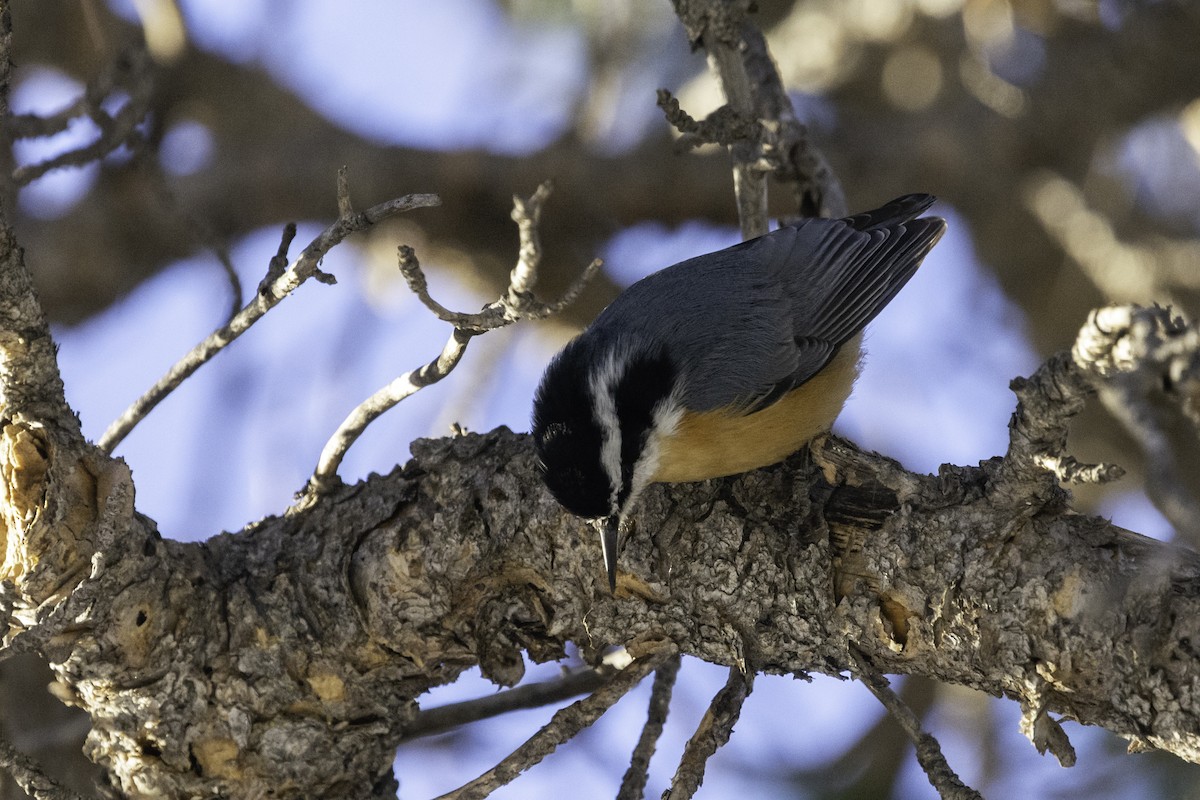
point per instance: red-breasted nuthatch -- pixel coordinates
(722, 363)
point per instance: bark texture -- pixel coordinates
(291, 655)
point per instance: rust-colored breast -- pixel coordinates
(714, 443)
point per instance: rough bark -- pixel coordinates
(291, 655)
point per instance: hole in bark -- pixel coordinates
(150, 749)
(141, 619)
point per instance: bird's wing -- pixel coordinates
(786, 301)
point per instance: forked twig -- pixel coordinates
(517, 303)
(280, 282)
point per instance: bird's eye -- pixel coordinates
(570, 466)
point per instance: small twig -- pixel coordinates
(633, 785)
(723, 126)
(201, 232)
(279, 262)
(408, 384)
(528, 216)
(437, 720)
(345, 207)
(132, 72)
(712, 732)
(269, 295)
(929, 753)
(517, 303)
(29, 774)
(34, 126)
(563, 726)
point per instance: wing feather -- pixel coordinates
(773, 310)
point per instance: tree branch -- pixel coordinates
(518, 302)
(432, 721)
(711, 734)
(564, 726)
(758, 124)
(269, 294)
(929, 753)
(633, 785)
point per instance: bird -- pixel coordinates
(722, 363)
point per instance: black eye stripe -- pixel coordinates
(567, 438)
(647, 381)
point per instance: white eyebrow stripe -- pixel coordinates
(667, 415)
(603, 382)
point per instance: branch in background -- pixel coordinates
(929, 753)
(432, 721)
(129, 74)
(517, 303)
(633, 785)
(758, 123)
(1146, 365)
(565, 725)
(270, 293)
(29, 776)
(1123, 271)
(712, 732)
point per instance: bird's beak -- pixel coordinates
(608, 543)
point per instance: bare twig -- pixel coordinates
(269, 295)
(712, 732)
(432, 721)
(345, 207)
(517, 303)
(758, 124)
(723, 126)
(131, 72)
(929, 753)
(30, 776)
(563, 726)
(633, 785)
